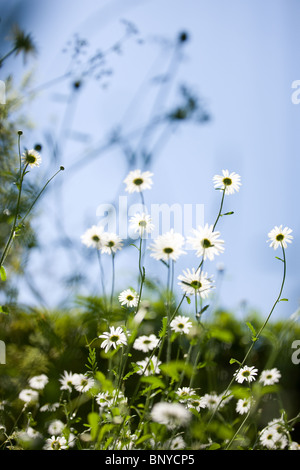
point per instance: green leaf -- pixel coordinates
(163, 330)
(93, 419)
(226, 336)
(214, 446)
(188, 300)
(203, 309)
(155, 382)
(233, 361)
(251, 328)
(4, 309)
(283, 300)
(173, 368)
(2, 273)
(280, 259)
(144, 438)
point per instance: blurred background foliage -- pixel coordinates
(44, 342)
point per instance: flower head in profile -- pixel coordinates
(195, 282)
(229, 182)
(38, 382)
(141, 223)
(31, 158)
(137, 181)
(206, 242)
(270, 376)
(56, 427)
(113, 338)
(181, 324)
(246, 373)
(211, 400)
(184, 393)
(111, 243)
(279, 236)
(168, 246)
(173, 415)
(149, 366)
(93, 237)
(129, 297)
(145, 343)
(29, 396)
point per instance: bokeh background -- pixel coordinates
(183, 89)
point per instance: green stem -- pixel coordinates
(259, 332)
(113, 279)
(8, 54)
(12, 232)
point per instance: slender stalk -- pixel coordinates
(12, 232)
(102, 276)
(40, 193)
(220, 210)
(112, 279)
(259, 332)
(9, 53)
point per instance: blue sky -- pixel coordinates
(241, 58)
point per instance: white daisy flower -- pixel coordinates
(129, 297)
(211, 400)
(82, 383)
(184, 393)
(278, 424)
(171, 414)
(269, 437)
(246, 373)
(294, 446)
(56, 427)
(229, 182)
(29, 396)
(270, 377)
(38, 382)
(196, 403)
(146, 343)
(111, 243)
(137, 181)
(67, 381)
(147, 367)
(177, 443)
(49, 407)
(168, 246)
(103, 399)
(279, 236)
(181, 324)
(141, 223)
(31, 158)
(30, 434)
(206, 242)
(113, 338)
(55, 443)
(93, 237)
(243, 405)
(195, 282)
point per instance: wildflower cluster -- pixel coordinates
(145, 384)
